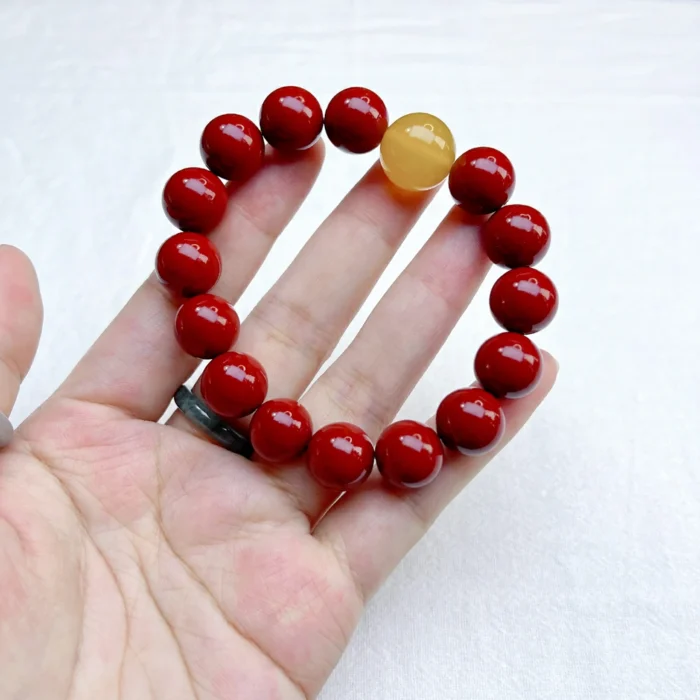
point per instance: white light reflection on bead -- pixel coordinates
(199, 185)
(531, 287)
(515, 352)
(523, 222)
(285, 418)
(414, 442)
(191, 251)
(490, 165)
(476, 409)
(238, 372)
(236, 131)
(345, 445)
(211, 314)
(473, 408)
(361, 104)
(296, 104)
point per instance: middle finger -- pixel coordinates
(297, 324)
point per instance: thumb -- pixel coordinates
(21, 315)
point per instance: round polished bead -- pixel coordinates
(508, 365)
(232, 147)
(195, 200)
(280, 430)
(417, 152)
(206, 326)
(356, 119)
(340, 456)
(409, 454)
(516, 236)
(234, 384)
(291, 119)
(524, 300)
(470, 420)
(482, 180)
(188, 264)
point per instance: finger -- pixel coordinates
(136, 365)
(295, 327)
(297, 324)
(21, 316)
(374, 529)
(370, 381)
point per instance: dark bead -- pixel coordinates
(524, 300)
(516, 236)
(409, 454)
(482, 180)
(206, 326)
(340, 456)
(188, 264)
(291, 119)
(280, 430)
(195, 200)
(470, 420)
(234, 384)
(508, 365)
(232, 147)
(356, 119)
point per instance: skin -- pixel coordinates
(138, 560)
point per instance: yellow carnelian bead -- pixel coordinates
(417, 151)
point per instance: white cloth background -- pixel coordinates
(571, 568)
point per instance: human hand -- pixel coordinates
(138, 560)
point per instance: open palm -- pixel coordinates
(138, 560)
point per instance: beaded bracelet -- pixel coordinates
(417, 152)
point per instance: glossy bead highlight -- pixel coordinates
(340, 456)
(206, 326)
(234, 385)
(524, 300)
(280, 430)
(482, 180)
(356, 120)
(291, 119)
(417, 152)
(409, 454)
(516, 236)
(188, 264)
(509, 365)
(470, 420)
(232, 147)
(195, 200)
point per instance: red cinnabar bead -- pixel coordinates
(188, 264)
(234, 384)
(508, 365)
(516, 236)
(195, 200)
(409, 454)
(280, 430)
(356, 119)
(291, 119)
(206, 326)
(470, 420)
(523, 300)
(482, 180)
(232, 147)
(340, 456)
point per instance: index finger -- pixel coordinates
(136, 365)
